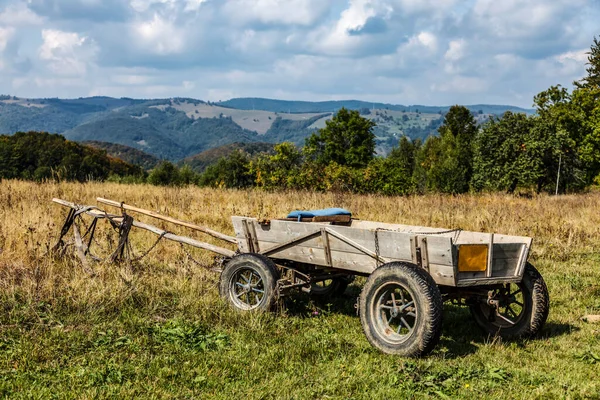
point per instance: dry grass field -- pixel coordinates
(159, 330)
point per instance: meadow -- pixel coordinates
(158, 329)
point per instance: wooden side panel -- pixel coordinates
(442, 274)
(438, 250)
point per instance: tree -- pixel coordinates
(508, 154)
(592, 80)
(347, 140)
(165, 174)
(231, 172)
(451, 169)
(279, 170)
(393, 175)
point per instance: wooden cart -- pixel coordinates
(411, 271)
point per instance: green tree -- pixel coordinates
(347, 140)
(232, 172)
(280, 170)
(592, 80)
(451, 169)
(165, 174)
(509, 153)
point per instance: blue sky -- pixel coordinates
(433, 52)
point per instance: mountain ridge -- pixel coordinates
(176, 128)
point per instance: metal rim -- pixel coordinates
(394, 313)
(247, 288)
(511, 308)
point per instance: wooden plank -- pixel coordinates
(252, 233)
(505, 267)
(295, 242)
(339, 260)
(490, 260)
(486, 281)
(439, 250)
(185, 240)
(507, 250)
(422, 240)
(442, 274)
(326, 247)
(356, 245)
(249, 242)
(413, 250)
(156, 215)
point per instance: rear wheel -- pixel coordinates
(522, 308)
(249, 282)
(401, 310)
(331, 287)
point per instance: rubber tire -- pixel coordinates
(428, 301)
(336, 288)
(537, 306)
(263, 266)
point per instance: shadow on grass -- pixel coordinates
(461, 336)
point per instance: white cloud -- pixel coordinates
(67, 53)
(279, 12)
(159, 36)
(401, 51)
(5, 35)
(193, 5)
(456, 50)
(19, 15)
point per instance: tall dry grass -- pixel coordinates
(564, 228)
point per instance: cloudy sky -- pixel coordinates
(434, 52)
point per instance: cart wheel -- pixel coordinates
(248, 282)
(331, 287)
(401, 310)
(522, 309)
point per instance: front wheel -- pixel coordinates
(249, 282)
(521, 310)
(401, 310)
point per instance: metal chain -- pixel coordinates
(187, 253)
(144, 254)
(378, 260)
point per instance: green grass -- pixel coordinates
(157, 345)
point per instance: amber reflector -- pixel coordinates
(472, 257)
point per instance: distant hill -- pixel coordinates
(199, 162)
(285, 106)
(41, 155)
(128, 154)
(177, 128)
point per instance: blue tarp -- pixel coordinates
(328, 212)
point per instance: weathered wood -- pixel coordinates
(490, 260)
(185, 239)
(356, 245)
(156, 215)
(80, 249)
(325, 239)
(180, 239)
(442, 274)
(295, 242)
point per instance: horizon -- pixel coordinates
(388, 51)
(220, 102)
